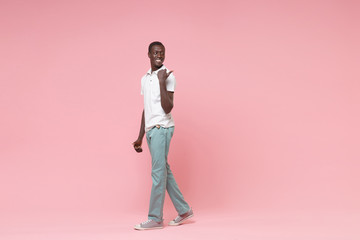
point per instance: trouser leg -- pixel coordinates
(172, 188)
(156, 139)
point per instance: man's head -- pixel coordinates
(156, 54)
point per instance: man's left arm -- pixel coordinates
(167, 97)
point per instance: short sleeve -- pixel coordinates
(171, 83)
(142, 86)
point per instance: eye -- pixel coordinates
(161, 53)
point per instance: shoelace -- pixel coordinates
(147, 221)
(177, 218)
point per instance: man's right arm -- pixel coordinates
(138, 142)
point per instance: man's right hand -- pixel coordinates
(137, 145)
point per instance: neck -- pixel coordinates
(154, 68)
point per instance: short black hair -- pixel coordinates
(156, 43)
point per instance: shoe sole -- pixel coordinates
(140, 228)
(182, 221)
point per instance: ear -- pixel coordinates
(149, 54)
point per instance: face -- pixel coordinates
(157, 56)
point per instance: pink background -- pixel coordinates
(266, 108)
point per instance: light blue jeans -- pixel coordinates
(163, 180)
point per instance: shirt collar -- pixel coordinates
(162, 67)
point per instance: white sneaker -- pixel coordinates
(181, 218)
(149, 224)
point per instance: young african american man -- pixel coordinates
(158, 86)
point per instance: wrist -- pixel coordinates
(162, 84)
(162, 80)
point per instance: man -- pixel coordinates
(158, 86)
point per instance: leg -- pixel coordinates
(156, 139)
(171, 186)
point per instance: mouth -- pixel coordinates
(158, 61)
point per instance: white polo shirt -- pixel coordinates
(150, 88)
